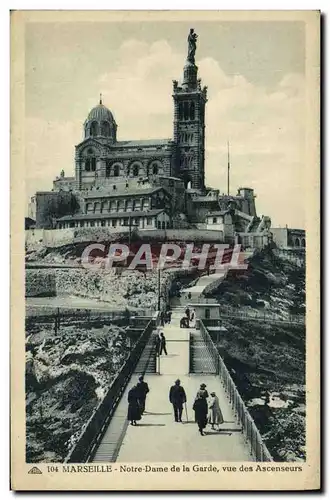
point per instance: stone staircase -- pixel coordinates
(148, 360)
(200, 360)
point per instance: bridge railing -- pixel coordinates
(94, 430)
(257, 446)
(265, 316)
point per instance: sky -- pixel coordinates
(255, 73)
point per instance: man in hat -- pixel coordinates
(142, 391)
(177, 398)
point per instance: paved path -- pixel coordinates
(157, 437)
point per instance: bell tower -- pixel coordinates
(189, 121)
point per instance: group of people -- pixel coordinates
(206, 407)
(137, 401)
(187, 318)
(165, 317)
(207, 410)
(160, 344)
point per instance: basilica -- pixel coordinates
(150, 184)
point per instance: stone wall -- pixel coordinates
(52, 238)
(49, 237)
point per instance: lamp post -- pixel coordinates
(129, 231)
(158, 271)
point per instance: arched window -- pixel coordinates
(105, 129)
(163, 224)
(135, 170)
(297, 242)
(303, 242)
(155, 168)
(93, 164)
(107, 171)
(88, 164)
(90, 151)
(94, 130)
(192, 111)
(116, 171)
(186, 110)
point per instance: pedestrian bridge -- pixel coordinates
(194, 359)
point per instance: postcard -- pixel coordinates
(166, 166)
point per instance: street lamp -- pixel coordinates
(158, 271)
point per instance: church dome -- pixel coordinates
(101, 123)
(100, 113)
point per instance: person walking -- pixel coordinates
(133, 413)
(177, 398)
(187, 312)
(169, 313)
(162, 318)
(162, 344)
(215, 414)
(203, 391)
(157, 344)
(142, 391)
(200, 408)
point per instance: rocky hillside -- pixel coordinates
(270, 283)
(264, 357)
(66, 377)
(267, 356)
(127, 289)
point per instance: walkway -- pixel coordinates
(205, 281)
(157, 438)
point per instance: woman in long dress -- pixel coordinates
(134, 410)
(215, 414)
(200, 408)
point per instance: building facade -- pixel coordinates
(149, 184)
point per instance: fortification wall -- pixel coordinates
(52, 238)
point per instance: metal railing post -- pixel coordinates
(252, 435)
